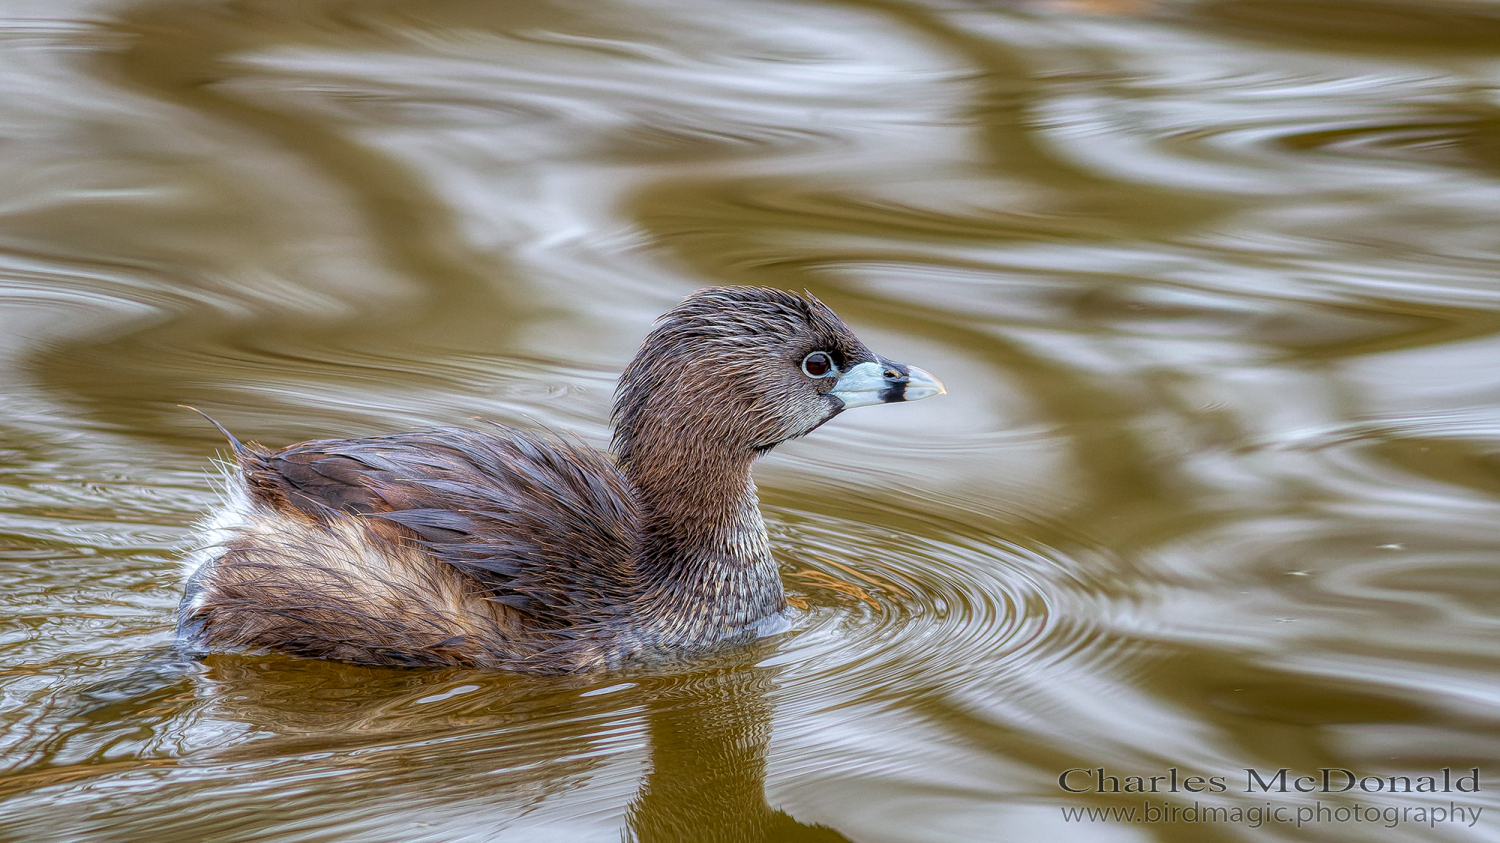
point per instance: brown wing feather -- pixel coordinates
(544, 526)
(315, 481)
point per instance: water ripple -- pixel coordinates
(885, 611)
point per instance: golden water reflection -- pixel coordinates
(1212, 287)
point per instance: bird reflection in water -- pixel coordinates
(708, 766)
(368, 739)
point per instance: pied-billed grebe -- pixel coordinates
(505, 549)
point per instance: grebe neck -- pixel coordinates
(704, 553)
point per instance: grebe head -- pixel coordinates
(742, 369)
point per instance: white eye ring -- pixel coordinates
(819, 360)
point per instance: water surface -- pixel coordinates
(1214, 287)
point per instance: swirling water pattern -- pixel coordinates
(1212, 285)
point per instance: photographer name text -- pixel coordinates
(1284, 780)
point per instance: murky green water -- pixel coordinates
(1214, 286)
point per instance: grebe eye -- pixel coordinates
(818, 365)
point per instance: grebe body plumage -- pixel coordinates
(508, 549)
